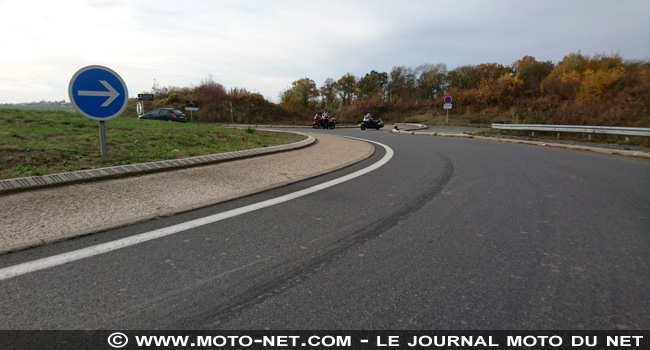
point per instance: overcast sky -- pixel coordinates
(263, 46)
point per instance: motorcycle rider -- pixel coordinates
(326, 117)
(369, 122)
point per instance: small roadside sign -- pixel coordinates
(191, 109)
(447, 105)
(98, 93)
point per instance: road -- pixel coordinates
(449, 234)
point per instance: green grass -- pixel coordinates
(46, 142)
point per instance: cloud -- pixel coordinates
(263, 46)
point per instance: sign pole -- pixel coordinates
(102, 137)
(232, 119)
(189, 106)
(447, 105)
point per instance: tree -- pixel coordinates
(489, 71)
(433, 80)
(303, 93)
(522, 63)
(532, 73)
(463, 77)
(372, 84)
(501, 91)
(596, 83)
(601, 75)
(383, 83)
(573, 62)
(565, 81)
(396, 83)
(346, 87)
(402, 84)
(209, 90)
(604, 62)
(329, 91)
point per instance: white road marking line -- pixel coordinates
(56, 260)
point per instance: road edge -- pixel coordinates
(409, 129)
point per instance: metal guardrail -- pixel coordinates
(610, 130)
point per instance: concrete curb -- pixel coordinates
(408, 132)
(407, 128)
(33, 182)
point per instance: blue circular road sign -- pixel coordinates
(98, 93)
(447, 99)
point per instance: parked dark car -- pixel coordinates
(168, 114)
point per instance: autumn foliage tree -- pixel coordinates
(329, 91)
(463, 77)
(584, 79)
(371, 86)
(346, 87)
(302, 94)
(401, 87)
(531, 73)
(499, 92)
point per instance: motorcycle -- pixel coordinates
(320, 121)
(368, 122)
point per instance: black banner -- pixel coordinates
(324, 340)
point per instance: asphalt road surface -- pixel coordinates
(450, 233)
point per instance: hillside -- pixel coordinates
(579, 90)
(214, 105)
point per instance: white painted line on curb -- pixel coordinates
(56, 260)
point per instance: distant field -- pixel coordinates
(41, 108)
(46, 142)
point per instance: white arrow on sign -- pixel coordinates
(112, 94)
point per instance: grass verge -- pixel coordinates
(47, 142)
